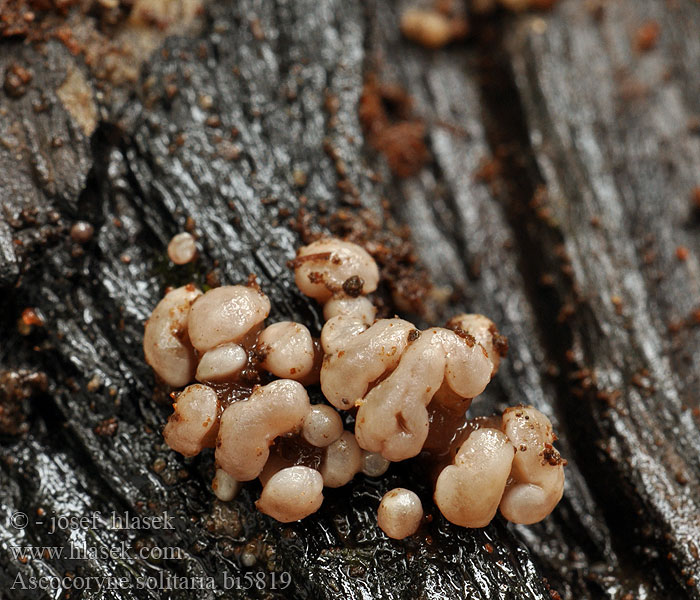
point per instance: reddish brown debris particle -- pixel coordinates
(649, 257)
(229, 151)
(675, 326)
(82, 232)
(331, 103)
(693, 125)
(413, 335)
(65, 36)
(252, 282)
(488, 169)
(617, 303)
(566, 312)
(646, 36)
(353, 286)
(404, 147)
(489, 548)
(695, 196)
(17, 78)
(609, 397)
(256, 29)
(467, 337)
(499, 341)
(386, 117)
(553, 594)
(94, 384)
(695, 316)
(641, 380)
(551, 456)
(31, 317)
(547, 280)
(107, 427)
(682, 253)
(299, 177)
(15, 388)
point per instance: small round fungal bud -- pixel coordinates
(225, 487)
(374, 464)
(537, 478)
(166, 344)
(222, 363)
(343, 460)
(226, 314)
(248, 428)
(194, 424)
(485, 332)
(82, 232)
(400, 513)
(292, 494)
(428, 28)
(321, 269)
(289, 350)
(182, 248)
(469, 491)
(322, 426)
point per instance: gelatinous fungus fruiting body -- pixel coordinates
(245, 394)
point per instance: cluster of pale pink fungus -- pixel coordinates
(408, 390)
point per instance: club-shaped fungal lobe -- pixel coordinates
(330, 266)
(166, 342)
(485, 332)
(226, 314)
(393, 418)
(537, 480)
(222, 363)
(356, 355)
(249, 427)
(194, 422)
(469, 491)
(288, 350)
